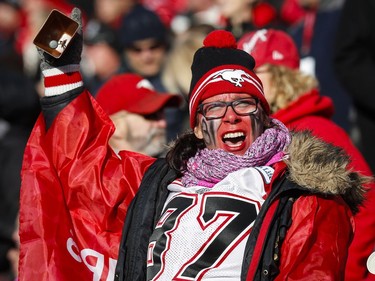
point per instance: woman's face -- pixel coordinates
(264, 74)
(233, 133)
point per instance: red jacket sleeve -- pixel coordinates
(74, 196)
(316, 245)
(364, 237)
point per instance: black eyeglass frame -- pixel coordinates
(227, 104)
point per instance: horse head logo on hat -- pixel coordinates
(233, 75)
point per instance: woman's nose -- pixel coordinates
(231, 116)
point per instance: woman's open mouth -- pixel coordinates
(234, 139)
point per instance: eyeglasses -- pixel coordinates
(153, 47)
(218, 109)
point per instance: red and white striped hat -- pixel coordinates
(219, 67)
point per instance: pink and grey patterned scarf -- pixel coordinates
(209, 166)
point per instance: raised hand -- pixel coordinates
(72, 54)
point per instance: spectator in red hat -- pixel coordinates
(144, 43)
(236, 198)
(295, 100)
(137, 112)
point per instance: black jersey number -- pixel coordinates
(239, 214)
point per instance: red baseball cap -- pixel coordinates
(134, 94)
(270, 46)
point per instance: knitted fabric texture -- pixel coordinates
(210, 166)
(219, 67)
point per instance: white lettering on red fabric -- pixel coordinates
(93, 260)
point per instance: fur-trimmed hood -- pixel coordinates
(323, 168)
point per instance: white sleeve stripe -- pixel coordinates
(61, 70)
(58, 90)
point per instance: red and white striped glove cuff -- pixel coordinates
(61, 79)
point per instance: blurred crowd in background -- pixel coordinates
(156, 39)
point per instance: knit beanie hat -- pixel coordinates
(97, 32)
(141, 23)
(219, 67)
(271, 46)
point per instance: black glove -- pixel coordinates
(72, 54)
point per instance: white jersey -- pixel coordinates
(201, 234)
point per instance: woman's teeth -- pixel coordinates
(234, 137)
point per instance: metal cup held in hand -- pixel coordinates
(56, 33)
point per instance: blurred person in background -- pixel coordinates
(196, 13)
(10, 23)
(13, 254)
(291, 11)
(137, 111)
(110, 12)
(166, 9)
(241, 16)
(314, 32)
(101, 56)
(295, 100)
(355, 67)
(144, 42)
(176, 75)
(19, 107)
